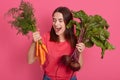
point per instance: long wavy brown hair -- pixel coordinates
(69, 33)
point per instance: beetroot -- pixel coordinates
(70, 62)
(75, 66)
(66, 60)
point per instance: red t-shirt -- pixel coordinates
(52, 67)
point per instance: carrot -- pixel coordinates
(44, 48)
(41, 50)
(39, 54)
(36, 47)
(42, 55)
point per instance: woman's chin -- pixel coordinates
(58, 33)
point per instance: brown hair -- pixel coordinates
(69, 33)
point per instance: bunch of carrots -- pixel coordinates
(41, 50)
(24, 21)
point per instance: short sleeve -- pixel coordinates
(45, 38)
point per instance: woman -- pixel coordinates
(59, 41)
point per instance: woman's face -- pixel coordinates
(59, 24)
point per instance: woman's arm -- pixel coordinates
(81, 59)
(80, 47)
(31, 54)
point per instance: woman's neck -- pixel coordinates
(61, 38)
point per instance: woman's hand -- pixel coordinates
(36, 36)
(80, 47)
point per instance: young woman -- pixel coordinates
(59, 41)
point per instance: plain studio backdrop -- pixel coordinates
(14, 48)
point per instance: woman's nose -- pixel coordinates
(56, 23)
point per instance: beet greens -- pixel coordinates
(91, 29)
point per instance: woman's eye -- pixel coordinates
(60, 21)
(54, 20)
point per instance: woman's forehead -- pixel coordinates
(57, 15)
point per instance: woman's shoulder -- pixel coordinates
(46, 35)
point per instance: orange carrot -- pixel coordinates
(36, 47)
(42, 55)
(41, 50)
(39, 56)
(44, 48)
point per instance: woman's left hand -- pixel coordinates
(80, 47)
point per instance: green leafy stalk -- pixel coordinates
(23, 18)
(91, 30)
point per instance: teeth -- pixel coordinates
(58, 29)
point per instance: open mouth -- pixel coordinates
(57, 29)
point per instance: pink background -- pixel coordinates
(14, 48)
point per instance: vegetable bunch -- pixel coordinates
(91, 29)
(40, 52)
(24, 21)
(23, 18)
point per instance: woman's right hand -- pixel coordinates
(36, 36)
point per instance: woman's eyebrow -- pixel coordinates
(58, 18)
